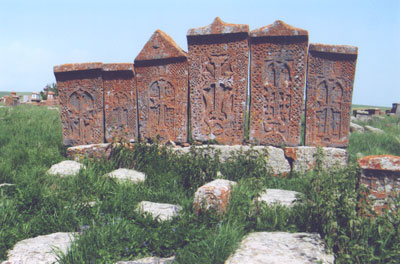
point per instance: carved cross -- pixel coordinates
(161, 99)
(81, 107)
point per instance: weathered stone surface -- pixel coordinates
(276, 196)
(66, 168)
(356, 128)
(281, 247)
(395, 109)
(214, 195)
(274, 157)
(374, 130)
(40, 250)
(127, 175)
(150, 260)
(218, 70)
(161, 211)
(381, 175)
(330, 77)
(278, 62)
(304, 159)
(92, 151)
(162, 84)
(81, 101)
(120, 118)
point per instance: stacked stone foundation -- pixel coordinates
(203, 96)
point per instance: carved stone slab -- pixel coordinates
(218, 70)
(81, 101)
(162, 84)
(330, 77)
(278, 62)
(120, 115)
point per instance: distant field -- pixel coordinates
(357, 106)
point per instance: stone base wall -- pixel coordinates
(381, 175)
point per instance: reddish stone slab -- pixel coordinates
(278, 62)
(218, 70)
(162, 85)
(330, 77)
(120, 111)
(81, 101)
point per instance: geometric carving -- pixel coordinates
(161, 78)
(218, 69)
(81, 101)
(278, 61)
(330, 77)
(120, 111)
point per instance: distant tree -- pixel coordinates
(49, 88)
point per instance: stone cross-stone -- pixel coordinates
(162, 84)
(81, 101)
(120, 118)
(218, 69)
(330, 76)
(278, 61)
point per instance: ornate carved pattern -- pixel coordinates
(329, 91)
(277, 86)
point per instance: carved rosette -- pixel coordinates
(218, 69)
(330, 78)
(278, 61)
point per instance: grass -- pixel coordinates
(112, 230)
(358, 107)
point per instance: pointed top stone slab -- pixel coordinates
(278, 29)
(160, 46)
(219, 27)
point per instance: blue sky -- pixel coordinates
(36, 35)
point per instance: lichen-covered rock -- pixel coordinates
(149, 260)
(304, 159)
(374, 130)
(93, 150)
(381, 175)
(276, 196)
(214, 195)
(123, 174)
(66, 168)
(281, 247)
(276, 162)
(356, 128)
(161, 211)
(40, 250)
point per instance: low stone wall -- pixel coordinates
(381, 175)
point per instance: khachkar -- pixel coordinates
(162, 84)
(278, 62)
(119, 102)
(330, 77)
(81, 101)
(218, 69)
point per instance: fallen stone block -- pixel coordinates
(40, 250)
(276, 196)
(304, 159)
(381, 175)
(92, 151)
(374, 130)
(66, 168)
(214, 195)
(356, 128)
(149, 260)
(127, 175)
(161, 211)
(281, 247)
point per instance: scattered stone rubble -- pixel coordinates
(281, 197)
(161, 211)
(40, 250)
(123, 174)
(281, 247)
(66, 168)
(149, 260)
